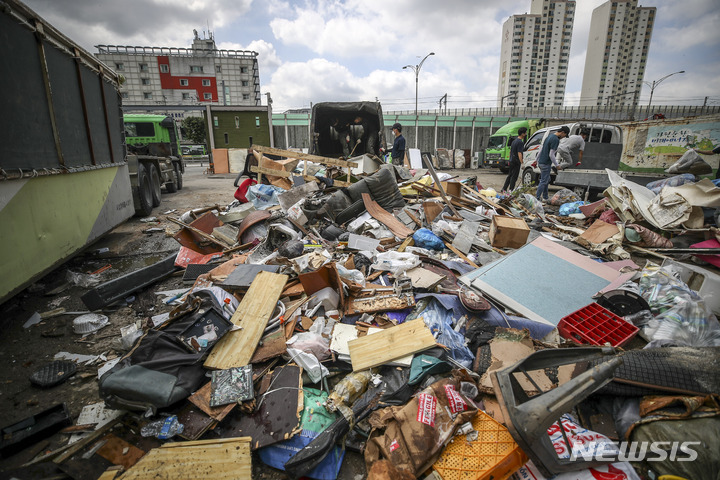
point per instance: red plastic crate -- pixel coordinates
(596, 325)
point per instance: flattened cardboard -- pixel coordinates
(599, 232)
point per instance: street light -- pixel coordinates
(655, 83)
(416, 69)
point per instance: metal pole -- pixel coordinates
(652, 89)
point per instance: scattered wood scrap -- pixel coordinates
(390, 344)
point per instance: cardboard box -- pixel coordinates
(508, 232)
(452, 188)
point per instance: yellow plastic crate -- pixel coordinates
(494, 455)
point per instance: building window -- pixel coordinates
(147, 96)
(183, 82)
(143, 67)
(145, 81)
(124, 95)
(207, 96)
(119, 66)
(218, 68)
(227, 139)
(243, 70)
(196, 69)
(237, 122)
(164, 68)
(206, 83)
(246, 96)
(186, 96)
(257, 122)
(245, 83)
(215, 121)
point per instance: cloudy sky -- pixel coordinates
(333, 50)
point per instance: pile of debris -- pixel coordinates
(435, 326)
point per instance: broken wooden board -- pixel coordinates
(201, 399)
(227, 458)
(405, 361)
(304, 156)
(423, 278)
(390, 344)
(273, 345)
(236, 348)
(277, 416)
(432, 210)
(119, 452)
(379, 303)
(383, 216)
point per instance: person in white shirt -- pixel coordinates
(571, 150)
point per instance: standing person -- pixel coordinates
(398, 151)
(546, 160)
(516, 158)
(571, 150)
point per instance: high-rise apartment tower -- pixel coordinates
(534, 55)
(617, 51)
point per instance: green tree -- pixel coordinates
(194, 129)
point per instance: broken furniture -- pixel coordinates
(528, 418)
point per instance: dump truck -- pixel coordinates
(154, 158)
(497, 153)
(347, 129)
(65, 176)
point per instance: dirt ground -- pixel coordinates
(126, 248)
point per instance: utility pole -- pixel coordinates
(416, 69)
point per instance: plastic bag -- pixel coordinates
(354, 276)
(531, 203)
(395, 262)
(424, 238)
(675, 181)
(439, 225)
(439, 320)
(312, 343)
(263, 196)
(681, 314)
(309, 363)
(570, 208)
(690, 162)
(564, 196)
(348, 389)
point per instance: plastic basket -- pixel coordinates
(494, 455)
(596, 325)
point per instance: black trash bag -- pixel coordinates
(479, 333)
(159, 370)
(291, 249)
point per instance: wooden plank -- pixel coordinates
(201, 399)
(218, 459)
(304, 156)
(270, 172)
(390, 344)
(432, 210)
(375, 304)
(236, 348)
(461, 255)
(435, 178)
(382, 215)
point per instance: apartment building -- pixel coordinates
(199, 75)
(617, 51)
(534, 55)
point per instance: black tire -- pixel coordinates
(142, 194)
(178, 176)
(156, 185)
(171, 186)
(528, 176)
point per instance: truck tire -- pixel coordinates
(171, 186)
(528, 176)
(142, 194)
(156, 184)
(178, 176)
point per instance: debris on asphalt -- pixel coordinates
(434, 325)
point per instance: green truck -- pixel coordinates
(497, 153)
(154, 158)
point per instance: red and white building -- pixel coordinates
(199, 75)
